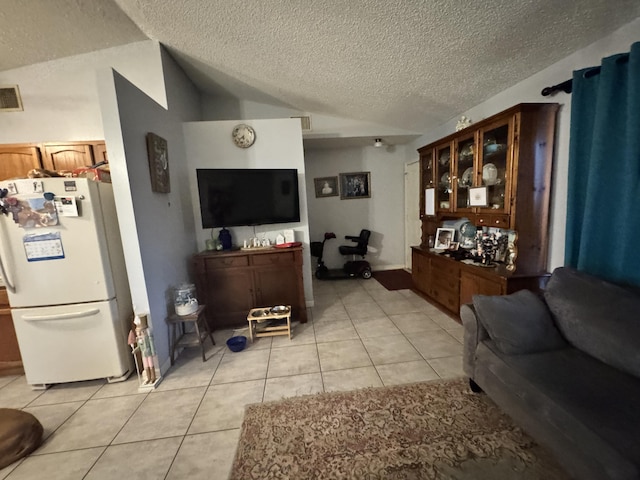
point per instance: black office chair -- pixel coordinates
(361, 247)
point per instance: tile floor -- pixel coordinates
(359, 335)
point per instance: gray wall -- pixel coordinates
(157, 228)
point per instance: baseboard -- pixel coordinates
(382, 268)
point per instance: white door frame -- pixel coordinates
(412, 223)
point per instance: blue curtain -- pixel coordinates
(603, 204)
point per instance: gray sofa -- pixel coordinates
(565, 367)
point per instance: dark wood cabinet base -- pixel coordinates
(233, 282)
(452, 284)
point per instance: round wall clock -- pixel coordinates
(243, 135)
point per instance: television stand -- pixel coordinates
(232, 282)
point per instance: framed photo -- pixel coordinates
(158, 163)
(444, 237)
(477, 196)
(355, 185)
(326, 186)
(453, 246)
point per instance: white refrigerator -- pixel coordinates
(63, 266)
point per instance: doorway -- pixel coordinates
(412, 223)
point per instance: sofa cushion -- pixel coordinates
(584, 410)
(518, 323)
(598, 317)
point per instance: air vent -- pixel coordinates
(305, 122)
(10, 100)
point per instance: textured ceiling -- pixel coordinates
(410, 64)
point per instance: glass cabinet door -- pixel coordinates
(495, 165)
(443, 177)
(427, 168)
(464, 173)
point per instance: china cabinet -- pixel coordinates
(508, 159)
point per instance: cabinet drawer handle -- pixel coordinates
(498, 221)
(481, 220)
(61, 316)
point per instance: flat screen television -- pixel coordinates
(234, 197)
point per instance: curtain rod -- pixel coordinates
(565, 86)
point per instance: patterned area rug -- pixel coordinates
(433, 430)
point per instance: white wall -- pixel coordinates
(529, 91)
(383, 213)
(60, 97)
(278, 145)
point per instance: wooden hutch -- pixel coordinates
(511, 153)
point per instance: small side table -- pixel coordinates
(198, 319)
(267, 318)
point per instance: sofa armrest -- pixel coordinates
(474, 333)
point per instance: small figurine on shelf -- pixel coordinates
(486, 245)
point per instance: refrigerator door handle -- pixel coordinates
(60, 316)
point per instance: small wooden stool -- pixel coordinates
(198, 319)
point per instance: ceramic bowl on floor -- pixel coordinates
(237, 344)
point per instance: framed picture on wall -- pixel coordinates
(355, 185)
(326, 186)
(158, 163)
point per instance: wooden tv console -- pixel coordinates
(233, 282)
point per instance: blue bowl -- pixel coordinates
(237, 344)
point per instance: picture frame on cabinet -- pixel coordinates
(326, 187)
(478, 196)
(444, 238)
(355, 185)
(158, 154)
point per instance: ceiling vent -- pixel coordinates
(305, 122)
(10, 100)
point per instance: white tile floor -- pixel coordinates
(359, 335)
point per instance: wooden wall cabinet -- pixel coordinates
(511, 154)
(72, 155)
(17, 160)
(231, 283)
